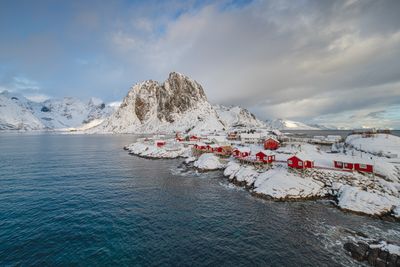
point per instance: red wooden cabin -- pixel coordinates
(271, 144)
(160, 143)
(343, 165)
(194, 138)
(241, 152)
(364, 167)
(200, 146)
(264, 157)
(297, 163)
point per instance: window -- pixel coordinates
(300, 163)
(290, 162)
(363, 166)
(339, 164)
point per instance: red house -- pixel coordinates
(361, 167)
(264, 157)
(200, 146)
(160, 143)
(213, 147)
(179, 137)
(297, 163)
(241, 152)
(343, 165)
(194, 138)
(271, 144)
(364, 167)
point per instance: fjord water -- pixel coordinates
(82, 200)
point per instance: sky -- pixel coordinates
(331, 62)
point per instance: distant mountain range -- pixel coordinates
(19, 113)
(178, 104)
(282, 124)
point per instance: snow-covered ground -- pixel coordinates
(379, 144)
(148, 149)
(278, 183)
(209, 162)
(359, 200)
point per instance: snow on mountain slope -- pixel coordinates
(281, 124)
(16, 117)
(237, 116)
(178, 104)
(50, 114)
(71, 112)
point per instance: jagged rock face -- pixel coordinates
(175, 96)
(176, 104)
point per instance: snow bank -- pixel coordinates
(172, 150)
(208, 161)
(231, 168)
(358, 200)
(247, 175)
(279, 184)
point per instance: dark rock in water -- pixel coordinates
(373, 255)
(383, 255)
(392, 260)
(358, 252)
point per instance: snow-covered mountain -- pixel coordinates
(14, 116)
(281, 124)
(235, 116)
(178, 104)
(19, 113)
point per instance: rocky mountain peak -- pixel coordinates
(176, 95)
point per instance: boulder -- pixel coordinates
(357, 251)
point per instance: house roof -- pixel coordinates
(266, 152)
(302, 157)
(200, 144)
(268, 138)
(243, 149)
(249, 136)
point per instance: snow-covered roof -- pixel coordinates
(218, 138)
(266, 152)
(303, 156)
(200, 144)
(214, 145)
(250, 136)
(351, 159)
(243, 149)
(272, 138)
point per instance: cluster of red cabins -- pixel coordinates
(350, 166)
(242, 152)
(294, 162)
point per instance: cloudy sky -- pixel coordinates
(329, 62)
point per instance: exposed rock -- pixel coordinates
(178, 104)
(358, 251)
(375, 253)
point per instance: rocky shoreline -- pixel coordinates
(277, 183)
(350, 192)
(375, 253)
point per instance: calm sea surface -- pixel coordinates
(81, 200)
